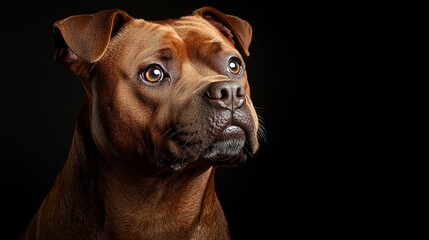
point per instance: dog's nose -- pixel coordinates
(226, 94)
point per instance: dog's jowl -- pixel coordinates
(167, 102)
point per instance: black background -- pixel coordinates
(337, 85)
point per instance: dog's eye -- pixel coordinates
(234, 66)
(152, 74)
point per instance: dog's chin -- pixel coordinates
(221, 153)
(227, 149)
(224, 150)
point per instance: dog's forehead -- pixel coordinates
(192, 26)
(182, 34)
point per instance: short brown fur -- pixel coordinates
(144, 154)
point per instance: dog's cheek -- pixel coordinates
(110, 131)
(125, 129)
(103, 134)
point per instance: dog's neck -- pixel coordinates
(133, 204)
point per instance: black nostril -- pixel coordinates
(240, 92)
(225, 94)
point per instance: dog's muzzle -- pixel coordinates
(226, 97)
(221, 128)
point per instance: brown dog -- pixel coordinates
(167, 102)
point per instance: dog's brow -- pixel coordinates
(217, 46)
(214, 40)
(165, 53)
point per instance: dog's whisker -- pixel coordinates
(262, 134)
(259, 109)
(172, 134)
(248, 152)
(180, 159)
(169, 130)
(186, 141)
(260, 118)
(261, 131)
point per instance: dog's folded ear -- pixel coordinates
(237, 30)
(86, 37)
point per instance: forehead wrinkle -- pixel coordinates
(215, 48)
(192, 26)
(171, 46)
(158, 42)
(155, 37)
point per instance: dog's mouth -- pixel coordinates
(227, 140)
(229, 143)
(226, 148)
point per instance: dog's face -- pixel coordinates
(174, 92)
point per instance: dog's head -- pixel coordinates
(173, 91)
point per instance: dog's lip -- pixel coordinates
(232, 132)
(228, 143)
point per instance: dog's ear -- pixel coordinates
(85, 38)
(238, 30)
